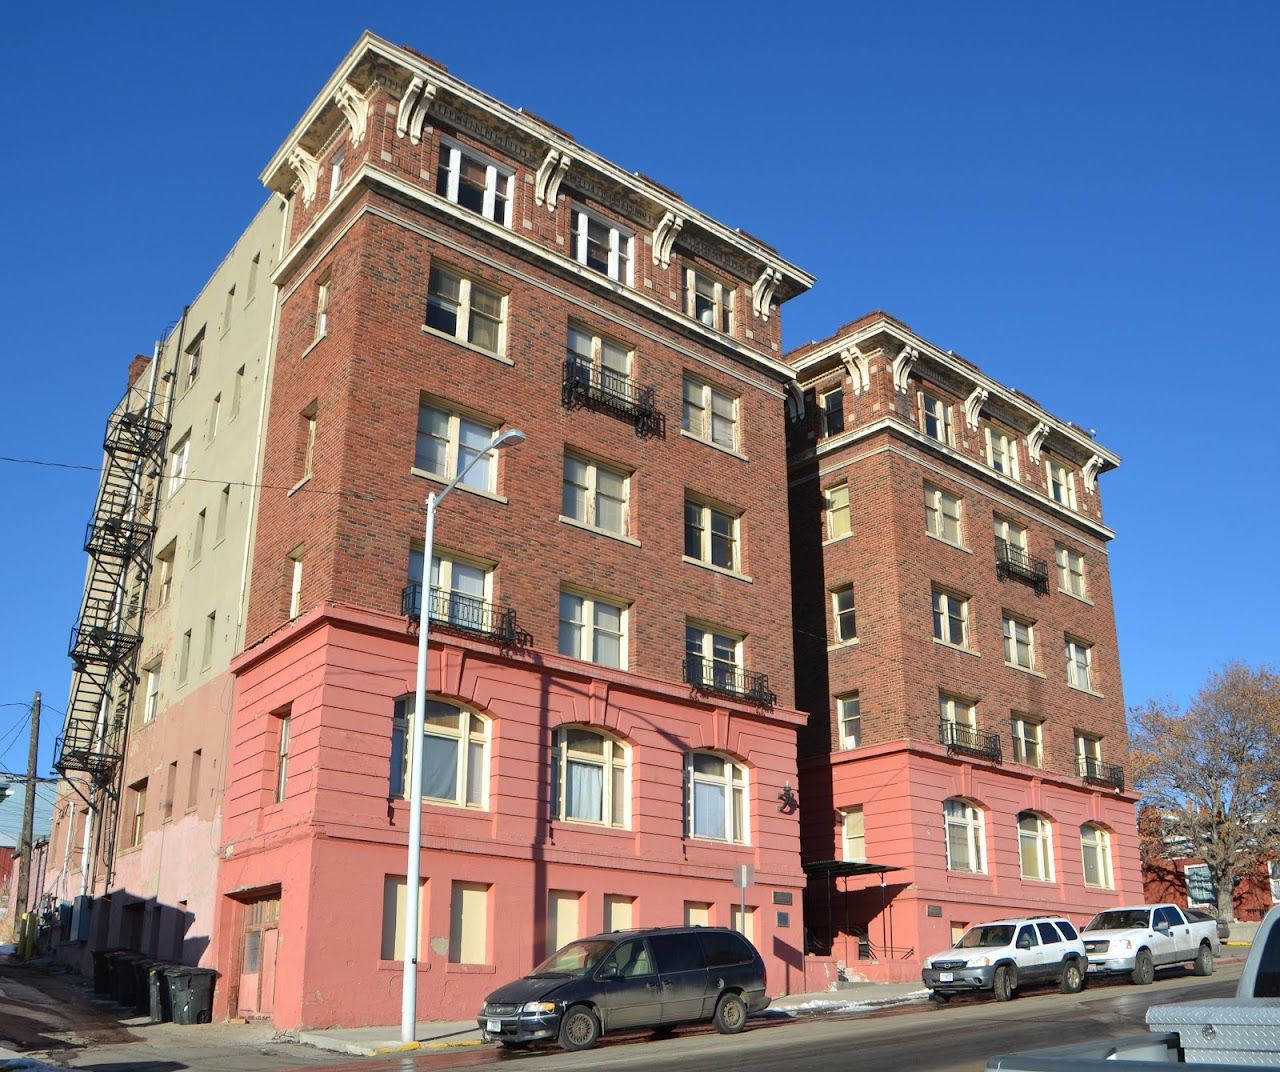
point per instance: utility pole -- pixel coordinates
(29, 805)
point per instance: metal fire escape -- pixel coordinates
(105, 641)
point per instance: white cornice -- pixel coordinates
(371, 46)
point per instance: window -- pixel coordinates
(592, 629)
(252, 287)
(322, 305)
(853, 835)
(465, 310)
(468, 179)
(950, 618)
(1026, 732)
(1070, 571)
(170, 787)
(460, 590)
(562, 919)
(1200, 887)
(283, 729)
(717, 798)
(1035, 847)
(849, 713)
(596, 359)
(194, 354)
(708, 301)
(1019, 646)
(942, 515)
(449, 442)
(193, 780)
(838, 520)
(151, 690)
(469, 923)
(1079, 664)
(215, 412)
(335, 169)
(226, 312)
(956, 711)
(710, 535)
(601, 245)
(832, 413)
(164, 572)
(184, 656)
(224, 505)
(237, 392)
(935, 417)
(714, 657)
(1095, 847)
(210, 629)
(1062, 483)
(965, 841)
(394, 888)
(589, 777)
(197, 539)
(619, 912)
(696, 914)
(137, 814)
(178, 459)
(295, 582)
(455, 753)
(844, 617)
(1002, 452)
(308, 436)
(709, 414)
(595, 494)
(1009, 534)
(1088, 754)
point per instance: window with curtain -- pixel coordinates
(589, 777)
(1035, 846)
(717, 798)
(455, 753)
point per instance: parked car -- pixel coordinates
(1135, 940)
(1224, 928)
(629, 980)
(1007, 954)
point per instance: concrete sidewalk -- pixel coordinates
(848, 999)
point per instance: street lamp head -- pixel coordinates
(508, 437)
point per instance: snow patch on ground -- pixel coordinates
(822, 1006)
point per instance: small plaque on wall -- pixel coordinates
(782, 897)
(784, 919)
(935, 910)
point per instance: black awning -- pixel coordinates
(840, 868)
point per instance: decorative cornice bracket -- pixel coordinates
(762, 291)
(307, 168)
(406, 106)
(551, 174)
(907, 357)
(1035, 441)
(664, 237)
(355, 107)
(858, 365)
(419, 117)
(973, 405)
(794, 402)
(1090, 472)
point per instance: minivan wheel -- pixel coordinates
(1072, 981)
(731, 1015)
(579, 1028)
(1144, 968)
(1003, 983)
(1204, 960)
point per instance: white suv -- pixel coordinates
(1007, 954)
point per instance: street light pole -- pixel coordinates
(417, 727)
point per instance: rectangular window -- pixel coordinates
(135, 823)
(170, 787)
(838, 517)
(455, 754)
(1010, 535)
(322, 305)
(193, 780)
(966, 841)
(1002, 452)
(283, 729)
(448, 443)
(708, 301)
(461, 590)
(197, 538)
(335, 169)
(1019, 646)
(474, 182)
(950, 618)
(595, 494)
(709, 414)
(935, 418)
(1062, 483)
(215, 412)
(853, 835)
(832, 413)
(164, 572)
(1200, 887)
(745, 926)
(308, 436)
(601, 245)
(942, 515)
(716, 801)
(849, 712)
(957, 711)
(252, 287)
(593, 629)
(711, 535)
(1079, 664)
(843, 615)
(184, 657)
(1070, 571)
(151, 690)
(466, 310)
(295, 582)
(697, 914)
(178, 459)
(210, 629)
(226, 312)
(393, 915)
(714, 656)
(619, 912)
(224, 506)
(595, 360)
(237, 392)
(193, 355)
(469, 923)
(1088, 754)
(1026, 732)
(562, 918)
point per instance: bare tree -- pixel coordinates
(1212, 774)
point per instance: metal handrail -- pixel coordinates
(583, 384)
(1094, 770)
(459, 613)
(713, 678)
(960, 738)
(1012, 562)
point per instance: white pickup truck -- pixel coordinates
(1138, 939)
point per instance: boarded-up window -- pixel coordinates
(619, 912)
(562, 918)
(469, 923)
(697, 914)
(393, 917)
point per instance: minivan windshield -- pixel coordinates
(1120, 920)
(577, 958)
(985, 937)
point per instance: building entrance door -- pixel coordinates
(256, 992)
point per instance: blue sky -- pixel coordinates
(1078, 197)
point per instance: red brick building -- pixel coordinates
(955, 650)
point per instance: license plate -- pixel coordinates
(946, 977)
(493, 1026)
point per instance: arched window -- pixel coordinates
(589, 777)
(716, 799)
(455, 753)
(966, 849)
(1095, 847)
(1035, 846)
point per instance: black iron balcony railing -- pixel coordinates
(1013, 563)
(611, 392)
(1094, 770)
(969, 741)
(713, 678)
(452, 612)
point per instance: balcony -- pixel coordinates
(1099, 773)
(965, 740)
(585, 386)
(452, 612)
(1014, 564)
(712, 678)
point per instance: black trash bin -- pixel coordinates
(110, 964)
(102, 971)
(142, 983)
(124, 980)
(158, 1004)
(191, 994)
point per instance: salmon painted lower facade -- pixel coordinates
(313, 859)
